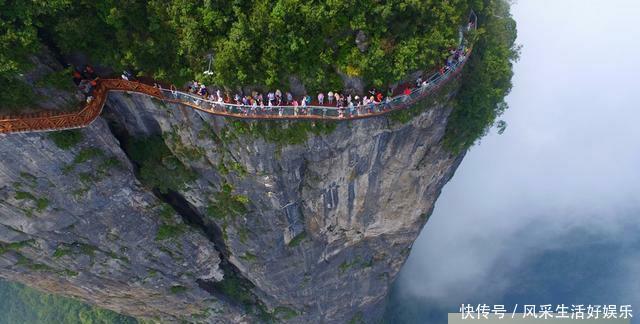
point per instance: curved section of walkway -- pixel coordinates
(53, 121)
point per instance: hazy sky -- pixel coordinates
(563, 181)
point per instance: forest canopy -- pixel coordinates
(256, 42)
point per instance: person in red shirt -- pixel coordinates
(406, 93)
(89, 73)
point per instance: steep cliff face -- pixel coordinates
(77, 222)
(281, 220)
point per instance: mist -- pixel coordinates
(549, 211)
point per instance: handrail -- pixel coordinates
(312, 111)
(53, 121)
(56, 120)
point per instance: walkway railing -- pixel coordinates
(434, 82)
(50, 121)
(56, 120)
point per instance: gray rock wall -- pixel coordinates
(322, 229)
(78, 223)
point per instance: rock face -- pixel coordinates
(362, 41)
(289, 221)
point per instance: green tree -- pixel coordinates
(19, 24)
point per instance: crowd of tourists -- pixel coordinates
(346, 103)
(257, 102)
(86, 80)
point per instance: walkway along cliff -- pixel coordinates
(51, 120)
(306, 231)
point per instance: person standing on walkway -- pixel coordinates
(271, 96)
(330, 97)
(289, 98)
(303, 103)
(340, 110)
(77, 77)
(321, 98)
(372, 104)
(220, 104)
(365, 103)
(387, 103)
(424, 86)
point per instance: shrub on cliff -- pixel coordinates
(158, 167)
(66, 139)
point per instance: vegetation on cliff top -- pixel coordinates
(253, 42)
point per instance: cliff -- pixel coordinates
(236, 222)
